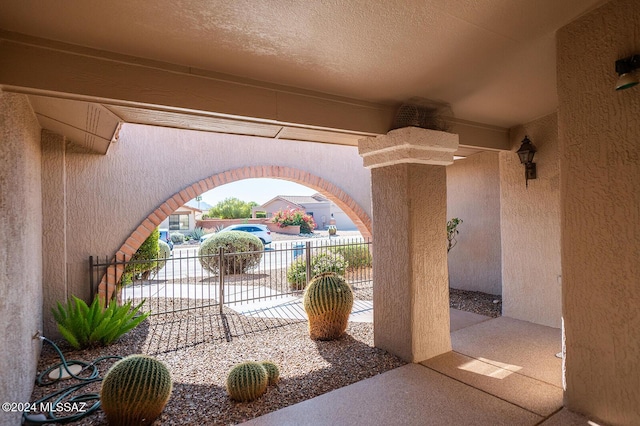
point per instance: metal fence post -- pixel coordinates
(221, 278)
(308, 261)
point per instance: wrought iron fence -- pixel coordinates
(188, 281)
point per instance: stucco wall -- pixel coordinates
(599, 132)
(109, 196)
(21, 250)
(530, 228)
(473, 195)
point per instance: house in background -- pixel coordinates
(182, 220)
(318, 206)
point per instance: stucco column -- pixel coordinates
(409, 197)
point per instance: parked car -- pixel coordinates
(166, 237)
(260, 231)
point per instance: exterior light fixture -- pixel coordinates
(625, 68)
(526, 153)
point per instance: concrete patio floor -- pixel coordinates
(501, 372)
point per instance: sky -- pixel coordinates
(258, 190)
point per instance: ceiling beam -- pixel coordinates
(43, 67)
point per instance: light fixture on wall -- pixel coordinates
(526, 153)
(625, 68)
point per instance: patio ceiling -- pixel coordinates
(492, 61)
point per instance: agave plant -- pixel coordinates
(83, 326)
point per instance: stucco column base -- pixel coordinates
(411, 290)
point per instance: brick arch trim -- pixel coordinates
(360, 218)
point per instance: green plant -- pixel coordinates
(135, 390)
(452, 232)
(197, 233)
(356, 255)
(232, 208)
(294, 217)
(273, 372)
(261, 215)
(247, 381)
(325, 261)
(327, 301)
(164, 253)
(83, 326)
(177, 238)
(243, 251)
(143, 260)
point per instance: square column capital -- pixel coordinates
(408, 145)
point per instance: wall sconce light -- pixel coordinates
(526, 153)
(625, 68)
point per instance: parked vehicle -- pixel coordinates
(166, 237)
(260, 231)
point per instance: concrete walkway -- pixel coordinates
(501, 372)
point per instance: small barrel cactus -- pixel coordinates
(247, 381)
(273, 372)
(328, 300)
(135, 390)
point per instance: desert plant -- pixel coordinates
(247, 381)
(327, 301)
(294, 217)
(273, 372)
(135, 390)
(177, 238)
(452, 232)
(356, 255)
(243, 251)
(325, 261)
(197, 233)
(84, 326)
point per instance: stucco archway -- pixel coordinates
(355, 212)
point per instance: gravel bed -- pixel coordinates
(308, 369)
(477, 302)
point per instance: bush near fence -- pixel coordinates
(324, 261)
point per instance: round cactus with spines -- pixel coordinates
(273, 372)
(135, 390)
(247, 381)
(327, 301)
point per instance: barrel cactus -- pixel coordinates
(135, 390)
(247, 381)
(273, 372)
(328, 300)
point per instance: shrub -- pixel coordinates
(261, 215)
(325, 261)
(135, 390)
(328, 301)
(243, 251)
(232, 208)
(163, 254)
(84, 326)
(143, 262)
(356, 255)
(247, 381)
(294, 217)
(177, 238)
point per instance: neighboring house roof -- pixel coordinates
(194, 204)
(298, 200)
(187, 207)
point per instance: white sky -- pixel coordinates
(258, 190)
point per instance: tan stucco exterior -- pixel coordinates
(530, 228)
(473, 195)
(21, 279)
(599, 134)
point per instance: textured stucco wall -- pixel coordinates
(530, 228)
(599, 132)
(109, 196)
(21, 250)
(411, 295)
(473, 195)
